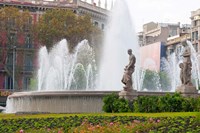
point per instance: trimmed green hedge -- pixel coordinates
(68, 124)
(151, 104)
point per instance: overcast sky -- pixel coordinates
(168, 11)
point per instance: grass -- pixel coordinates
(166, 114)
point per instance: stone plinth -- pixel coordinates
(187, 90)
(129, 95)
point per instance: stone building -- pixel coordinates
(173, 43)
(157, 41)
(195, 29)
(157, 32)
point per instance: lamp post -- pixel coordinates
(14, 51)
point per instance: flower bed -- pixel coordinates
(102, 123)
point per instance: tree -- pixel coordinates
(57, 24)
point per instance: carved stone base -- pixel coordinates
(188, 91)
(129, 95)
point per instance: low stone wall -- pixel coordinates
(57, 101)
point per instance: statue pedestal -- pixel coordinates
(187, 90)
(129, 95)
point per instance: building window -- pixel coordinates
(12, 39)
(193, 36)
(28, 42)
(196, 47)
(28, 64)
(26, 83)
(9, 61)
(8, 82)
(28, 24)
(196, 37)
(195, 23)
(96, 23)
(172, 32)
(102, 26)
(11, 22)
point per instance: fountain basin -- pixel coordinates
(57, 101)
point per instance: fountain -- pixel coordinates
(120, 37)
(67, 82)
(72, 83)
(60, 70)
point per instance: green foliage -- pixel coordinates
(121, 105)
(79, 77)
(33, 84)
(152, 104)
(101, 124)
(109, 103)
(57, 24)
(152, 79)
(12, 19)
(167, 103)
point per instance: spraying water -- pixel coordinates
(120, 36)
(60, 70)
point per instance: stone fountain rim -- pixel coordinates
(59, 93)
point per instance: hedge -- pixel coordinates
(151, 104)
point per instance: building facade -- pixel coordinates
(19, 51)
(195, 29)
(157, 32)
(174, 43)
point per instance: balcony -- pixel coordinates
(92, 7)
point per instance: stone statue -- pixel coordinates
(128, 71)
(181, 73)
(186, 88)
(186, 68)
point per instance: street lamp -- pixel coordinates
(14, 51)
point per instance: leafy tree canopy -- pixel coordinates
(12, 18)
(57, 24)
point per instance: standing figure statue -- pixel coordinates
(186, 68)
(128, 71)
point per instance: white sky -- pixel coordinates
(162, 11)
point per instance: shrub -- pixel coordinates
(152, 104)
(109, 103)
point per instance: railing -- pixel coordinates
(92, 7)
(19, 47)
(179, 39)
(28, 45)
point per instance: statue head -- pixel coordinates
(181, 65)
(129, 51)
